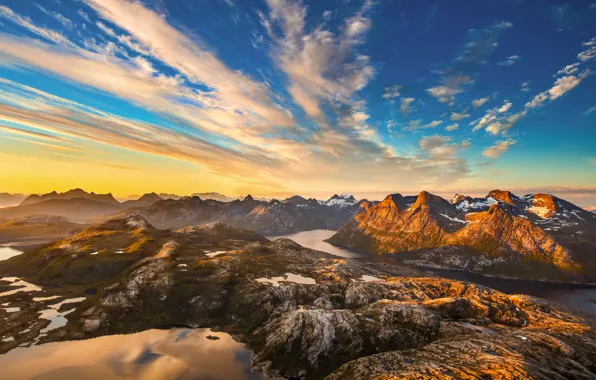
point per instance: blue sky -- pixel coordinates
(313, 97)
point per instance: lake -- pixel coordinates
(315, 239)
(8, 252)
(579, 297)
(178, 353)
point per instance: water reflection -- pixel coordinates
(56, 317)
(8, 252)
(22, 286)
(152, 354)
(315, 240)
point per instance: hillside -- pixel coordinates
(535, 236)
(38, 227)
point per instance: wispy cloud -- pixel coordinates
(84, 15)
(590, 110)
(452, 127)
(498, 149)
(229, 89)
(510, 61)
(405, 105)
(455, 116)
(477, 103)
(57, 16)
(25, 22)
(392, 92)
(463, 68)
(569, 77)
(322, 67)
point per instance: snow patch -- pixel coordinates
(366, 278)
(467, 205)
(288, 277)
(216, 253)
(453, 219)
(540, 211)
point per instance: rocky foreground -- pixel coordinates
(304, 313)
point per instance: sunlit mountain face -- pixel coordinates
(310, 97)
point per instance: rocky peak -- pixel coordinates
(341, 200)
(457, 198)
(503, 196)
(137, 221)
(543, 205)
(249, 198)
(348, 197)
(392, 200)
(432, 202)
(150, 196)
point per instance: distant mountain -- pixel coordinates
(38, 227)
(70, 194)
(7, 200)
(224, 198)
(343, 200)
(274, 217)
(75, 209)
(145, 200)
(534, 236)
(169, 196)
(215, 196)
(172, 213)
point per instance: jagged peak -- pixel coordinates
(249, 198)
(394, 198)
(152, 195)
(459, 198)
(503, 196)
(426, 199)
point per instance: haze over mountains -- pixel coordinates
(7, 199)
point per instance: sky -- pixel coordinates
(275, 97)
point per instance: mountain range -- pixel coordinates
(273, 217)
(70, 194)
(536, 236)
